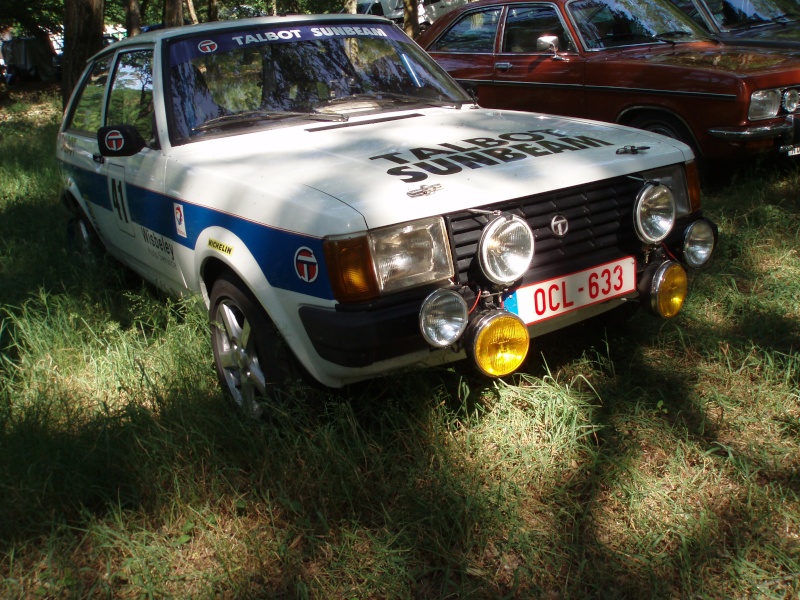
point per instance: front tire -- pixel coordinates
(252, 360)
(666, 125)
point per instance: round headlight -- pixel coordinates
(499, 343)
(654, 213)
(790, 100)
(698, 243)
(505, 249)
(443, 318)
(668, 290)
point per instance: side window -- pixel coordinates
(526, 24)
(474, 32)
(131, 99)
(87, 109)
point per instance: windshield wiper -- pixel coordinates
(785, 18)
(264, 115)
(749, 23)
(400, 98)
(666, 35)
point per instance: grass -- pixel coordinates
(660, 461)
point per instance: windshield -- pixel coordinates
(222, 81)
(739, 14)
(616, 23)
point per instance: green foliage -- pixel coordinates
(32, 15)
(661, 460)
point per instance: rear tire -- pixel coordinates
(252, 360)
(83, 240)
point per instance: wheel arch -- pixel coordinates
(212, 263)
(629, 115)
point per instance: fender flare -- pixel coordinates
(218, 249)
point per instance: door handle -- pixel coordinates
(502, 66)
(98, 158)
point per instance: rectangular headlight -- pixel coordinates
(411, 254)
(764, 104)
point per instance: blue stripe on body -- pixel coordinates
(273, 249)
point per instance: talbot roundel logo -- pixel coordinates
(559, 225)
(114, 140)
(207, 46)
(305, 264)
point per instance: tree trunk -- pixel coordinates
(173, 13)
(213, 10)
(350, 6)
(133, 17)
(83, 36)
(192, 14)
(411, 17)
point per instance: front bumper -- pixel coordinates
(362, 336)
(786, 132)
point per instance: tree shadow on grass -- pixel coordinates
(357, 487)
(353, 493)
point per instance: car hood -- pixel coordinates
(408, 165)
(712, 57)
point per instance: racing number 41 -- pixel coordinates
(119, 198)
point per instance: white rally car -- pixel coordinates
(338, 200)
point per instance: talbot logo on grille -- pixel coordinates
(425, 190)
(559, 225)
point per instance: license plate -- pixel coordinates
(560, 295)
(794, 151)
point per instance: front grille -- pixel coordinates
(600, 218)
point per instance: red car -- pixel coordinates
(643, 64)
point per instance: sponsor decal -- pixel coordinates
(159, 247)
(180, 221)
(305, 264)
(299, 34)
(220, 247)
(114, 140)
(448, 158)
(207, 46)
(188, 49)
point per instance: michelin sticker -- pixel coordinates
(220, 247)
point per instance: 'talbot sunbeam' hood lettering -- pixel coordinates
(474, 156)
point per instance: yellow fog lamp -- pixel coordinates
(498, 343)
(668, 289)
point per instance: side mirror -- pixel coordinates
(120, 140)
(547, 42)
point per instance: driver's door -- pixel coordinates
(141, 216)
